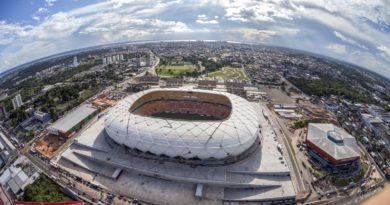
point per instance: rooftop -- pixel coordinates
(265, 170)
(73, 118)
(335, 141)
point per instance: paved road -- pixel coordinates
(296, 176)
(152, 69)
(44, 168)
(354, 199)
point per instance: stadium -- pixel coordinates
(183, 146)
(184, 124)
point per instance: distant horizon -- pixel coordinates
(79, 50)
(356, 32)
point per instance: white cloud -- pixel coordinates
(360, 26)
(42, 10)
(385, 52)
(115, 29)
(267, 11)
(349, 40)
(59, 25)
(337, 48)
(49, 3)
(203, 19)
(256, 34)
(37, 18)
(10, 32)
(264, 35)
(37, 15)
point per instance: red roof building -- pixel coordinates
(332, 147)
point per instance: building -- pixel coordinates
(17, 176)
(207, 84)
(236, 65)
(73, 121)
(370, 121)
(332, 148)
(17, 101)
(75, 62)
(236, 88)
(3, 112)
(148, 61)
(138, 61)
(200, 145)
(148, 80)
(235, 134)
(42, 116)
(174, 82)
(379, 112)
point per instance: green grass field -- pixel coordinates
(229, 73)
(175, 70)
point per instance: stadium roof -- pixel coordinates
(185, 138)
(71, 119)
(333, 140)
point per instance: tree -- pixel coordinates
(44, 190)
(31, 133)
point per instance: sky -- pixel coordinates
(356, 31)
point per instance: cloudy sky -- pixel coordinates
(356, 31)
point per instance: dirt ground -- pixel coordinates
(277, 96)
(49, 145)
(381, 198)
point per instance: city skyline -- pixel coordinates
(356, 32)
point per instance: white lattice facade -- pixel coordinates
(214, 139)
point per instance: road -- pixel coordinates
(296, 176)
(46, 169)
(152, 69)
(354, 198)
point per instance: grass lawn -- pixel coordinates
(88, 93)
(64, 105)
(229, 73)
(175, 70)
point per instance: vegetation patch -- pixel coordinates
(300, 124)
(362, 172)
(327, 86)
(229, 73)
(176, 71)
(44, 190)
(339, 182)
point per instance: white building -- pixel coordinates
(15, 178)
(148, 60)
(17, 101)
(216, 139)
(3, 111)
(75, 62)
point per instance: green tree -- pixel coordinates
(44, 190)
